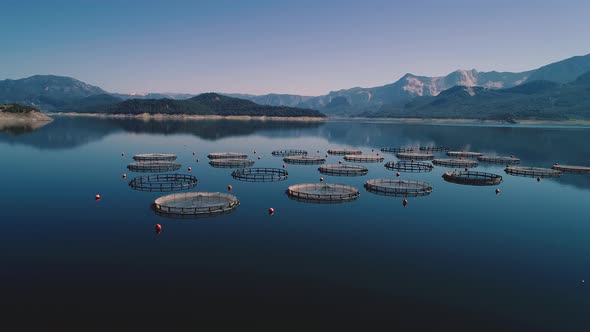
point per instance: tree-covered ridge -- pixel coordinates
(16, 108)
(204, 104)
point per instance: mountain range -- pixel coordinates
(409, 94)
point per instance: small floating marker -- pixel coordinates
(321, 179)
(194, 153)
(229, 187)
(405, 202)
(158, 228)
(326, 156)
(124, 175)
(397, 174)
(497, 191)
(271, 211)
(198, 160)
(284, 166)
(466, 169)
(189, 168)
(254, 151)
(372, 150)
(340, 161)
(97, 197)
(258, 157)
(538, 179)
(123, 154)
(318, 151)
(412, 160)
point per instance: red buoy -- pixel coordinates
(158, 228)
(321, 179)
(538, 179)
(198, 160)
(97, 197)
(497, 191)
(190, 168)
(397, 174)
(124, 175)
(405, 202)
(284, 166)
(271, 211)
(229, 187)
(254, 151)
(194, 153)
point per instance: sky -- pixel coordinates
(298, 47)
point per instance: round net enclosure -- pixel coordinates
(397, 149)
(455, 163)
(260, 174)
(572, 169)
(409, 166)
(304, 160)
(343, 170)
(163, 182)
(323, 192)
(499, 160)
(231, 163)
(363, 158)
(289, 152)
(415, 156)
(343, 152)
(196, 204)
(472, 178)
(153, 166)
(533, 172)
(154, 157)
(463, 154)
(227, 155)
(434, 148)
(397, 187)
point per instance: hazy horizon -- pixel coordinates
(264, 47)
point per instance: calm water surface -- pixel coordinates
(461, 258)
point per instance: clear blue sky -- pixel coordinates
(301, 47)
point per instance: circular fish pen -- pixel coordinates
(499, 160)
(572, 169)
(260, 174)
(415, 156)
(323, 193)
(343, 170)
(231, 163)
(289, 152)
(344, 152)
(363, 158)
(463, 154)
(397, 150)
(533, 172)
(304, 160)
(155, 157)
(153, 166)
(195, 204)
(434, 148)
(455, 163)
(163, 182)
(399, 188)
(409, 166)
(227, 155)
(473, 178)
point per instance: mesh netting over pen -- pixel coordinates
(343, 170)
(196, 204)
(472, 178)
(323, 192)
(260, 174)
(163, 182)
(153, 166)
(400, 188)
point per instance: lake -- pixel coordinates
(461, 258)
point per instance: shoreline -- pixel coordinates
(146, 116)
(467, 121)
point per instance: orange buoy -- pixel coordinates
(321, 179)
(538, 179)
(271, 211)
(397, 174)
(158, 228)
(229, 187)
(97, 197)
(190, 168)
(124, 175)
(497, 191)
(405, 202)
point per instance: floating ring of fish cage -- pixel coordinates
(343, 170)
(397, 187)
(499, 160)
(397, 150)
(571, 169)
(231, 163)
(153, 166)
(434, 148)
(323, 193)
(463, 154)
(163, 182)
(533, 172)
(363, 158)
(415, 156)
(260, 174)
(409, 166)
(304, 160)
(227, 155)
(195, 204)
(289, 152)
(155, 157)
(455, 163)
(472, 178)
(343, 152)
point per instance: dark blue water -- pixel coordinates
(461, 258)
